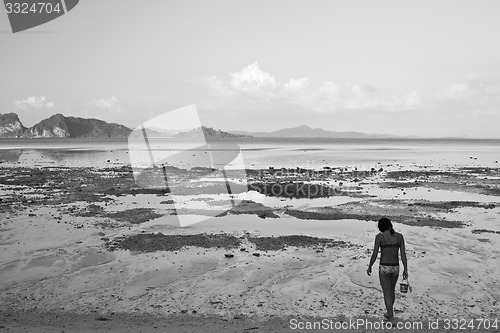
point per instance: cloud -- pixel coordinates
(412, 100)
(361, 89)
(110, 103)
(477, 95)
(295, 85)
(333, 97)
(455, 91)
(248, 96)
(252, 88)
(35, 102)
(329, 88)
(474, 87)
(252, 79)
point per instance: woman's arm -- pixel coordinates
(374, 255)
(403, 257)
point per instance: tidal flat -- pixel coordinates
(88, 242)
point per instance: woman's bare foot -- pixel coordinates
(392, 320)
(389, 319)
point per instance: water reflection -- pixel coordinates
(63, 157)
(10, 155)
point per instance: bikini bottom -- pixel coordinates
(389, 270)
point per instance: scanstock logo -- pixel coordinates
(204, 175)
(26, 14)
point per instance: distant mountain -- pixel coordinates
(60, 126)
(11, 126)
(156, 132)
(167, 131)
(207, 132)
(149, 133)
(305, 131)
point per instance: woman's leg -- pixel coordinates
(394, 281)
(386, 283)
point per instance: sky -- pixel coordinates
(427, 68)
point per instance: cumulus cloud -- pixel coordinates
(477, 95)
(295, 85)
(252, 88)
(102, 103)
(412, 99)
(35, 102)
(361, 89)
(331, 96)
(471, 88)
(329, 88)
(252, 79)
(455, 91)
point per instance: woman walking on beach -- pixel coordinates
(390, 243)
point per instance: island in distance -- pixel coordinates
(305, 131)
(60, 126)
(194, 133)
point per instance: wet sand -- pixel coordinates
(85, 249)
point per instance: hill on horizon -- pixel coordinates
(305, 131)
(60, 126)
(208, 132)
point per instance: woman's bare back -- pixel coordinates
(389, 247)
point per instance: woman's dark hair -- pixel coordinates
(385, 224)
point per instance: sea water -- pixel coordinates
(261, 153)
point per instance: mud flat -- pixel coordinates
(86, 249)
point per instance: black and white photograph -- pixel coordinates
(249, 166)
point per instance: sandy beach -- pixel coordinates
(85, 249)
(231, 166)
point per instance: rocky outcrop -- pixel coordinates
(60, 126)
(11, 126)
(95, 128)
(53, 127)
